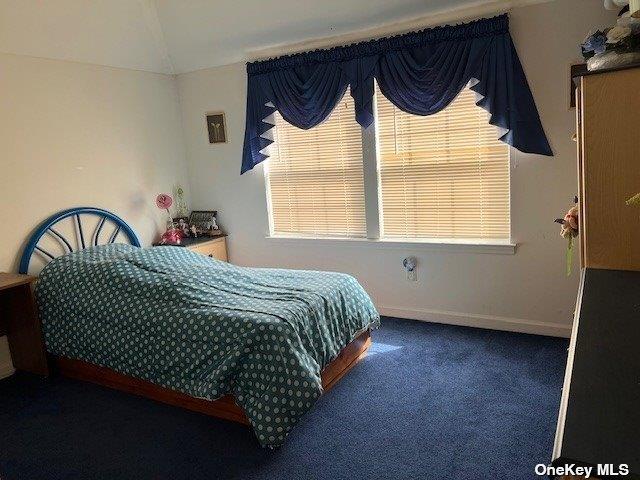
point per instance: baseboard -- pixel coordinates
(480, 321)
(6, 369)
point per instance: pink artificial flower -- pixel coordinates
(164, 201)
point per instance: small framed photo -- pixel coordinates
(204, 222)
(216, 127)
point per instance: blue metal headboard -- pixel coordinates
(47, 228)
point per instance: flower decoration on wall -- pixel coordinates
(569, 230)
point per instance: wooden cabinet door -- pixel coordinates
(611, 169)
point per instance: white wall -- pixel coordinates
(527, 291)
(75, 135)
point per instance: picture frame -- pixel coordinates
(205, 222)
(217, 127)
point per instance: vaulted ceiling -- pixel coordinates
(175, 36)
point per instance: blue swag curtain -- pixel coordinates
(420, 73)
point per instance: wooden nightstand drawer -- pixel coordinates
(216, 248)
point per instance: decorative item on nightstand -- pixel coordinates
(181, 204)
(200, 233)
(172, 235)
(212, 247)
(204, 223)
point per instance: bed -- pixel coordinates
(252, 345)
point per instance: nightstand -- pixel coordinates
(20, 323)
(213, 247)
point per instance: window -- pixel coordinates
(444, 177)
(315, 177)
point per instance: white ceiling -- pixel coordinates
(176, 36)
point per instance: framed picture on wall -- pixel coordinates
(216, 127)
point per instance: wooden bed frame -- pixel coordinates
(224, 407)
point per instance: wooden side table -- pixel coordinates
(20, 323)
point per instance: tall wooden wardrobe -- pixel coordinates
(599, 420)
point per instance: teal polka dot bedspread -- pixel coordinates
(204, 327)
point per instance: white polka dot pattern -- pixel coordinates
(204, 327)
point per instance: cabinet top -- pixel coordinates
(588, 73)
(10, 280)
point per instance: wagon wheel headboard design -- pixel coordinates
(48, 230)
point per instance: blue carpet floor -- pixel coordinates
(429, 402)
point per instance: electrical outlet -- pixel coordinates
(410, 264)
(412, 275)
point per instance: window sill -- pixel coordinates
(497, 247)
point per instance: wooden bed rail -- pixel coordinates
(224, 407)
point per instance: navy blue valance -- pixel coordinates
(419, 72)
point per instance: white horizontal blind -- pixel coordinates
(315, 177)
(442, 176)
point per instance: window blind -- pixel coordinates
(315, 177)
(442, 176)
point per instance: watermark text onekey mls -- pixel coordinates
(572, 469)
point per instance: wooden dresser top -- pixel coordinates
(10, 280)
